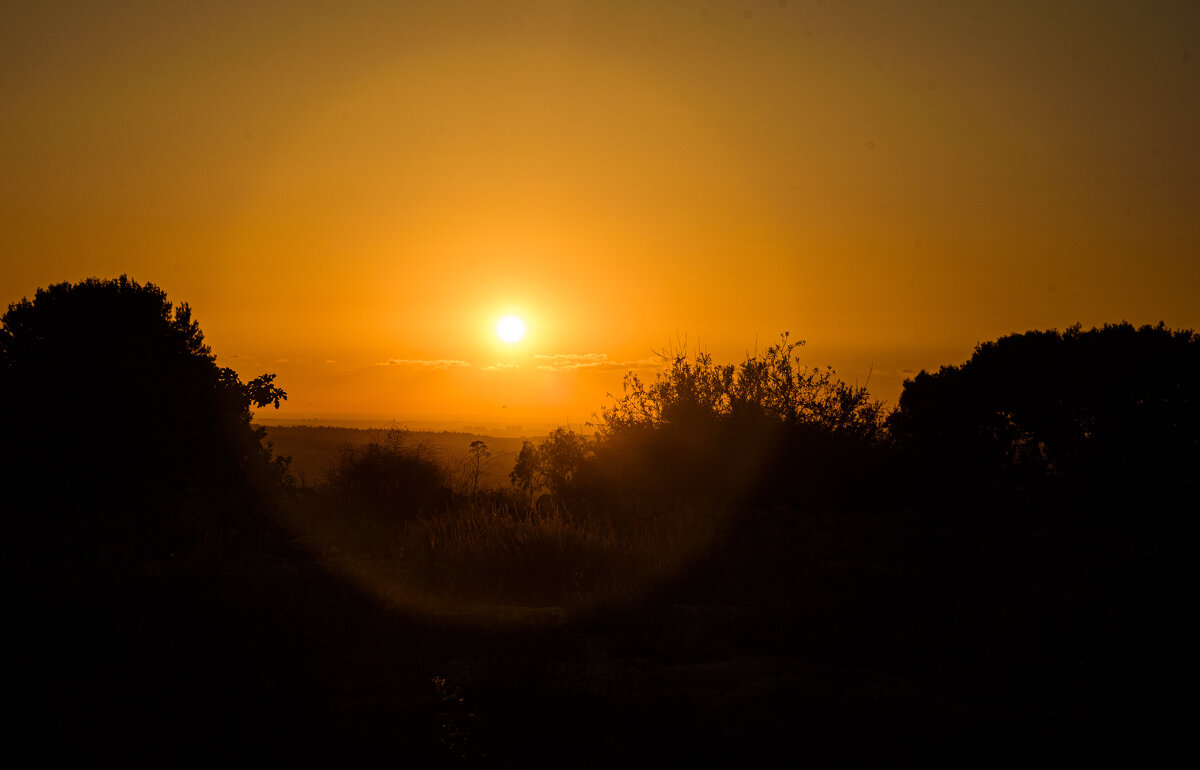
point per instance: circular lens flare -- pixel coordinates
(510, 328)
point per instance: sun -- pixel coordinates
(510, 329)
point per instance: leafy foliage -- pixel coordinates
(1085, 414)
(127, 427)
(552, 464)
(769, 426)
(390, 480)
(775, 386)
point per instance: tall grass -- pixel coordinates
(498, 550)
(553, 554)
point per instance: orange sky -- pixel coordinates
(351, 194)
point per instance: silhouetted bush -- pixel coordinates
(388, 480)
(768, 428)
(130, 441)
(1098, 420)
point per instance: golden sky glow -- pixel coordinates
(352, 194)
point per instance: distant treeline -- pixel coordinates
(313, 450)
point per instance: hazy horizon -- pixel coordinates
(369, 421)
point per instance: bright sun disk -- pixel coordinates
(510, 328)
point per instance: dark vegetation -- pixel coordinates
(314, 450)
(742, 560)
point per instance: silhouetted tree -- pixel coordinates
(1108, 416)
(775, 385)
(133, 480)
(479, 458)
(128, 434)
(551, 464)
(768, 427)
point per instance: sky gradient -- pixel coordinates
(352, 194)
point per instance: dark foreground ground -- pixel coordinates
(271, 656)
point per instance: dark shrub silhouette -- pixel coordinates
(388, 480)
(130, 441)
(768, 428)
(1106, 417)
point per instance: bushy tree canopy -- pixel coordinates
(775, 386)
(552, 464)
(389, 480)
(1108, 411)
(117, 410)
(768, 427)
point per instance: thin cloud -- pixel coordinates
(501, 367)
(437, 365)
(569, 362)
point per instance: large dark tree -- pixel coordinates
(1101, 420)
(124, 433)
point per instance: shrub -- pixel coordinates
(775, 386)
(387, 480)
(769, 427)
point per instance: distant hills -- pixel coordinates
(382, 421)
(313, 448)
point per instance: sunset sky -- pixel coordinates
(353, 194)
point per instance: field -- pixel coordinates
(682, 629)
(746, 563)
(314, 449)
